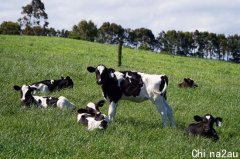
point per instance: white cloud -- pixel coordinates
(219, 16)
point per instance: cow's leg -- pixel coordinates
(161, 109)
(169, 113)
(112, 110)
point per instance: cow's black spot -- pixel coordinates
(51, 101)
(132, 83)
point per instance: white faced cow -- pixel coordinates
(27, 99)
(92, 117)
(204, 127)
(47, 86)
(135, 86)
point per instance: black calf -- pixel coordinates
(204, 127)
(187, 82)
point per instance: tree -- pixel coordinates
(51, 32)
(34, 15)
(8, 27)
(84, 31)
(110, 33)
(171, 41)
(144, 37)
(128, 38)
(234, 48)
(161, 42)
(222, 46)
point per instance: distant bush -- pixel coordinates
(144, 47)
(8, 27)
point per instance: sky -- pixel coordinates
(217, 16)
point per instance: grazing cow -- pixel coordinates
(204, 127)
(187, 82)
(133, 86)
(27, 99)
(48, 86)
(92, 117)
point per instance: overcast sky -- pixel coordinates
(218, 16)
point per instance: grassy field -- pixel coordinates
(137, 130)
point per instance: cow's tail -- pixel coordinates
(163, 85)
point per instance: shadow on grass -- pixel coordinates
(148, 124)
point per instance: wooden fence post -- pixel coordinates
(120, 43)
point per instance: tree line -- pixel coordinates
(34, 21)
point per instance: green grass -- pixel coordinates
(137, 130)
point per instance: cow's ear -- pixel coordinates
(197, 118)
(111, 70)
(17, 88)
(68, 77)
(218, 121)
(81, 110)
(32, 88)
(91, 69)
(100, 103)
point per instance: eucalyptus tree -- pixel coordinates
(34, 16)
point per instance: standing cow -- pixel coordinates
(134, 86)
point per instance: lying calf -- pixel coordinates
(48, 86)
(92, 117)
(187, 82)
(27, 99)
(204, 127)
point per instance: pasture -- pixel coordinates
(137, 130)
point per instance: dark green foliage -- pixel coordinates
(110, 33)
(144, 46)
(200, 44)
(11, 28)
(143, 35)
(84, 31)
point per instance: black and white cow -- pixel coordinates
(27, 99)
(47, 86)
(92, 117)
(135, 86)
(204, 127)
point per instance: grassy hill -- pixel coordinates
(137, 130)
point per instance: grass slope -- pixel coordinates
(137, 131)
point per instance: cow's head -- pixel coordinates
(92, 108)
(188, 82)
(102, 73)
(66, 82)
(104, 121)
(208, 121)
(26, 94)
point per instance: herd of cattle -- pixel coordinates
(116, 86)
